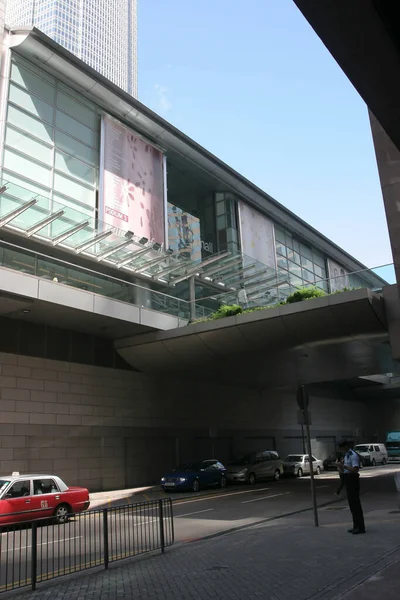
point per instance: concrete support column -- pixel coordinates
(388, 159)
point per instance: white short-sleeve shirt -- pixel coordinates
(351, 459)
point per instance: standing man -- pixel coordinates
(350, 467)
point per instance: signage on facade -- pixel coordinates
(132, 184)
(184, 233)
(338, 277)
(257, 236)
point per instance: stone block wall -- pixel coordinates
(110, 429)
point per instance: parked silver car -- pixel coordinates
(254, 467)
(299, 465)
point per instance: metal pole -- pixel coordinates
(192, 298)
(161, 522)
(303, 440)
(34, 556)
(308, 440)
(105, 538)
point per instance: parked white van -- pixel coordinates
(372, 454)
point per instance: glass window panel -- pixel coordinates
(75, 168)
(281, 249)
(80, 151)
(294, 269)
(296, 282)
(279, 235)
(30, 103)
(308, 275)
(307, 263)
(220, 208)
(29, 124)
(282, 262)
(81, 210)
(27, 145)
(75, 128)
(27, 185)
(32, 82)
(78, 191)
(80, 112)
(305, 251)
(221, 222)
(34, 69)
(319, 271)
(318, 259)
(26, 167)
(289, 240)
(294, 256)
(82, 100)
(296, 245)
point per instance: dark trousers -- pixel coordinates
(353, 496)
(342, 483)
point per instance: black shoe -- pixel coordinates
(351, 530)
(358, 531)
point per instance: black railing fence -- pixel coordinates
(35, 552)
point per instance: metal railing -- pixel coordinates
(40, 551)
(62, 272)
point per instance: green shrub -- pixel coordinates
(305, 294)
(227, 310)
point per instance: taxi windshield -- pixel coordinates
(3, 483)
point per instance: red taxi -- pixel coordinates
(29, 497)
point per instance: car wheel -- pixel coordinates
(196, 485)
(62, 513)
(252, 478)
(300, 473)
(318, 470)
(223, 481)
(373, 462)
(384, 461)
(277, 475)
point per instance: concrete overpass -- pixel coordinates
(333, 338)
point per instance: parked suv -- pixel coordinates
(255, 466)
(372, 454)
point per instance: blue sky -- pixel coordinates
(253, 84)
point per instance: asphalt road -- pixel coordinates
(78, 544)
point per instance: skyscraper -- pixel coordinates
(103, 33)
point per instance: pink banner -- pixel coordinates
(133, 190)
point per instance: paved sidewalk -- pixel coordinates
(285, 559)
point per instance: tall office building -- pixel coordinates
(103, 33)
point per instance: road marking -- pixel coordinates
(265, 497)
(319, 487)
(179, 502)
(194, 513)
(78, 537)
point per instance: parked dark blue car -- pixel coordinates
(194, 476)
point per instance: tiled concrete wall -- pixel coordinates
(106, 429)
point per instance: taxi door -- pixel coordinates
(16, 504)
(45, 498)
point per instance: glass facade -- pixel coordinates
(49, 189)
(299, 264)
(51, 143)
(103, 33)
